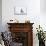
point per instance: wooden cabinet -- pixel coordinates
(22, 33)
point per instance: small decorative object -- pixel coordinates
(11, 20)
(20, 11)
(14, 21)
(27, 21)
(41, 36)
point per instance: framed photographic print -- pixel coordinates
(20, 11)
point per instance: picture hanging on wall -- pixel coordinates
(20, 11)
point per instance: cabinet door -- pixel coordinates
(20, 37)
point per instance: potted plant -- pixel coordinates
(41, 36)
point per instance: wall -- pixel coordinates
(43, 14)
(43, 6)
(0, 15)
(34, 14)
(33, 10)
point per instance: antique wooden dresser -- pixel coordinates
(22, 33)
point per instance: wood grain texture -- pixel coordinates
(23, 27)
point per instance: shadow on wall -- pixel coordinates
(0, 15)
